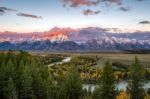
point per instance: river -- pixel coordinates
(66, 60)
(120, 86)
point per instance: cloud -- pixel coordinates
(144, 22)
(140, 0)
(76, 3)
(29, 15)
(3, 10)
(7, 9)
(113, 1)
(90, 12)
(125, 9)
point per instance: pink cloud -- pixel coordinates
(76, 3)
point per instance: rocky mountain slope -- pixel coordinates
(91, 38)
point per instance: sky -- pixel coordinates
(42, 15)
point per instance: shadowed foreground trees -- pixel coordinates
(10, 90)
(23, 76)
(136, 78)
(106, 89)
(73, 84)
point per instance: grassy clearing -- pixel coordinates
(125, 58)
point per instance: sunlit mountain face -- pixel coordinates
(55, 34)
(58, 34)
(91, 38)
(74, 24)
(68, 34)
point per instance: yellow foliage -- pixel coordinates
(123, 95)
(147, 97)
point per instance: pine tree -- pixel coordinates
(106, 89)
(6, 71)
(39, 85)
(135, 86)
(25, 91)
(73, 85)
(2, 59)
(2, 78)
(10, 90)
(45, 80)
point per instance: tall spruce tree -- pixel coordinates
(10, 90)
(73, 85)
(1, 81)
(39, 85)
(136, 77)
(107, 87)
(6, 71)
(25, 91)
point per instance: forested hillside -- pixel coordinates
(24, 76)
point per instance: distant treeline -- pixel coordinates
(138, 51)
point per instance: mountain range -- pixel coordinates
(86, 39)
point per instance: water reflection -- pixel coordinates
(120, 86)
